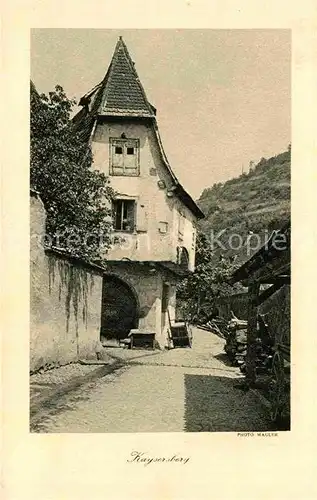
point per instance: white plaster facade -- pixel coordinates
(154, 207)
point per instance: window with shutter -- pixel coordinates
(124, 157)
(124, 215)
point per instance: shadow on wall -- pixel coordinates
(215, 404)
(65, 311)
(65, 300)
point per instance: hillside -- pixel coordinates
(254, 203)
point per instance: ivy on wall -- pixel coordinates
(75, 284)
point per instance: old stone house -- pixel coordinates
(153, 214)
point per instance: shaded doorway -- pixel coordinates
(119, 312)
(165, 301)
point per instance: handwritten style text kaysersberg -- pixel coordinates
(141, 457)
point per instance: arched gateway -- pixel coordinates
(119, 308)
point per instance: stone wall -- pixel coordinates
(65, 302)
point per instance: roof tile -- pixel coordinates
(121, 92)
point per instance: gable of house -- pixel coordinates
(121, 94)
(152, 210)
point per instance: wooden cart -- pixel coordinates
(179, 333)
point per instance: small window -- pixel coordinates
(124, 156)
(124, 215)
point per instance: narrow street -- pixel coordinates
(191, 390)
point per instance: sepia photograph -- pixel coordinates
(160, 230)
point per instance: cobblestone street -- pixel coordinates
(179, 390)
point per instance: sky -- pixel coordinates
(223, 97)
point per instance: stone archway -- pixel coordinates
(120, 308)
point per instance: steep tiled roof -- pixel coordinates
(121, 92)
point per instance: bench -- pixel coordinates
(142, 339)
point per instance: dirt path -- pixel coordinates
(179, 390)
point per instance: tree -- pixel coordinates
(76, 197)
(210, 280)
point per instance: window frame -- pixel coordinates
(116, 152)
(129, 153)
(124, 171)
(134, 206)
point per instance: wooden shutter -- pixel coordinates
(117, 160)
(124, 157)
(131, 157)
(142, 217)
